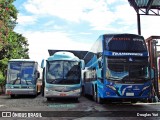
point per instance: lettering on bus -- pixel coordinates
(126, 54)
(137, 39)
(121, 38)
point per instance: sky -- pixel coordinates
(76, 24)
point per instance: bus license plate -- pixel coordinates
(129, 94)
(62, 94)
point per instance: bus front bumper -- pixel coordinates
(55, 94)
(21, 92)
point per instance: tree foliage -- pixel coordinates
(12, 45)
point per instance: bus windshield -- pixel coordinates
(21, 73)
(125, 43)
(63, 72)
(125, 70)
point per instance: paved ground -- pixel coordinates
(60, 109)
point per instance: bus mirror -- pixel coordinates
(100, 64)
(37, 74)
(82, 64)
(42, 63)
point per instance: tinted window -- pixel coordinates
(125, 43)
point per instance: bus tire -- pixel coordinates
(49, 99)
(150, 100)
(94, 94)
(83, 91)
(133, 101)
(76, 99)
(12, 96)
(36, 92)
(99, 99)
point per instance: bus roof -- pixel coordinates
(22, 60)
(63, 55)
(78, 53)
(119, 34)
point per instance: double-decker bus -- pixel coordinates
(117, 67)
(62, 76)
(22, 77)
(158, 65)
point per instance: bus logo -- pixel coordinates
(130, 59)
(6, 114)
(64, 88)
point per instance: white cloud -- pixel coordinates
(96, 13)
(26, 20)
(150, 26)
(66, 9)
(49, 23)
(106, 15)
(40, 42)
(126, 14)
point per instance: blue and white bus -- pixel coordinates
(117, 67)
(22, 77)
(62, 76)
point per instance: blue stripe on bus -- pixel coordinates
(109, 53)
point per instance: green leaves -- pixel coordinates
(2, 79)
(12, 44)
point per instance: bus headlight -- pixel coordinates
(48, 89)
(77, 90)
(145, 88)
(9, 87)
(111, 87)
(30, 87)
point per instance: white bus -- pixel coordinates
(22, 77)
(62, 76)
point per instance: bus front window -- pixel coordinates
(63, 72)
(21, 73)
(139, 71)
(116, 71)
(121, 69)
(14, 72)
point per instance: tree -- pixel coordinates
(12, 44)
(8, 19)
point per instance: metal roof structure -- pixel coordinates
(145, 7)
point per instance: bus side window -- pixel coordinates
(99, 64)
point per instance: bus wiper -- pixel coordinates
(115, 78)
(14, 81)
(54, 80)
(26, 82)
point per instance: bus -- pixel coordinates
(158, 65)
(117, 68)
(22, 77)
(62, 76)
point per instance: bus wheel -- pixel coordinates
(94, 94)
(49, 99)
(12, 96)
(150, 100)
(83, 91)
(76, 99)
(133, 101)
(99, 99)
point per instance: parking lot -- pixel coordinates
(85, 108)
